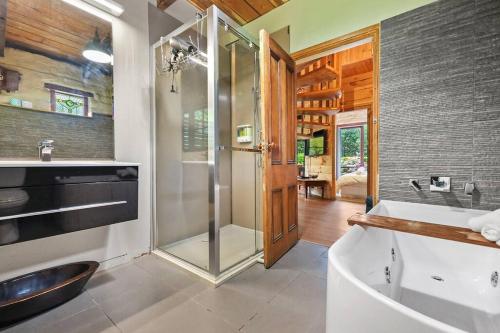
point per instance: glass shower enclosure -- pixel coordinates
(207, 172)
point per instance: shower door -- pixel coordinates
(239, 158)
(182, 129)
(207, 163)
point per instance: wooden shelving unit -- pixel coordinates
(319, 74)
(328, 111)
(317, 94)
(312, 123)
(452, 233)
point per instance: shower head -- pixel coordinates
(180, 45)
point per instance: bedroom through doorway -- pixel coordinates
(337, 133)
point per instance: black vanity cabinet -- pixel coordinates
(43, 201)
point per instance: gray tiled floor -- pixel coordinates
(152, 295)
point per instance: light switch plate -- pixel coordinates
(440, 184)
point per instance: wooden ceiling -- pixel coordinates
(242, 11)
(52, 28)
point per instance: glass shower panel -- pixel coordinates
(182, 129)
(240, 232)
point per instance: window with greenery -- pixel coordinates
(353, 147)
(301, 151)
(69, 101)
(195, 131)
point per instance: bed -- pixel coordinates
(352, 186)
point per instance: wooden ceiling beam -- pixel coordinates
(242, 11)
(164, 4)
(261, 6)
(201, 4)
(239, 10)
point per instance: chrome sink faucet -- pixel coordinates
(45, 148)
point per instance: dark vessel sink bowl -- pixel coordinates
(32, 293)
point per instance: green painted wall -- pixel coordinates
(315, 21)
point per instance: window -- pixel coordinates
(352, 148)
(68, 100)
(195, 131)
(301, 151)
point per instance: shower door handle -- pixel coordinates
(247, 150)
(266, 147)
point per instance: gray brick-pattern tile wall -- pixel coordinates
(440, 102)
(74, 137)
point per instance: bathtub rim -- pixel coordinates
(340, 247)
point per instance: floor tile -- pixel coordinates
(305, 257)
(153, 295)
(185, 317)
(176, 277)
(261, 283)
(90, 320)
(234, 306)
(116, 281)
(297, 308)
(78, 304)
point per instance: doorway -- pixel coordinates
(337, 132)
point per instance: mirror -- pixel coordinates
(56, 80)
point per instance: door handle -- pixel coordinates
(266, 147)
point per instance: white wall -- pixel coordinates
(120, 242)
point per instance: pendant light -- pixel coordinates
(97, 50)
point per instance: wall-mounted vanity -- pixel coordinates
(42, 199)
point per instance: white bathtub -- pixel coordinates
(435, 285)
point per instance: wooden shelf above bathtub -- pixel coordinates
(457, 234)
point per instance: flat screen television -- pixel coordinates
(318, 143)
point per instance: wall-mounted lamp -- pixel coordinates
(99, 8)
(99, 51)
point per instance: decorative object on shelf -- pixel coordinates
(26, 295)
(9, 79)
(244, 134)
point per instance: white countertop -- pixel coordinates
(63, 163)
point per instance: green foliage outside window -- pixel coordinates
(350, 152)
(301, 151)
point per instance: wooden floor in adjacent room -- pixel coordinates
(325, 221)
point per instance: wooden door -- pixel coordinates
(279, 126)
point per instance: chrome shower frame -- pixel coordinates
(214, 17)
